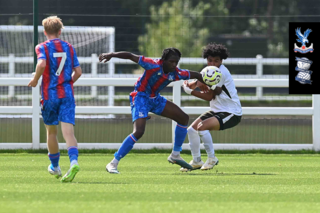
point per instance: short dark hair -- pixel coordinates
(213, 50)
(170, 51)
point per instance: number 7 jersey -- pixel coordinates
(61, 59)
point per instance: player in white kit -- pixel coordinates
(225, 112)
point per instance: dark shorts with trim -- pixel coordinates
(227, 120)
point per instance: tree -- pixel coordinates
(178, 24)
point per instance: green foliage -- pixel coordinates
(178, 24)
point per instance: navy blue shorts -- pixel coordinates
(55, 110)
(141, 104)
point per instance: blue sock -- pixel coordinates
(54, 158)
(73, 153)
(125, 147)
(180, 135)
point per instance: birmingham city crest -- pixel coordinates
(304, 75)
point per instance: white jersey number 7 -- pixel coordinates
(63, 60)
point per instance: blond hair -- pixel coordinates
(52, 25)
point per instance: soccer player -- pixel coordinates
(146, 98)
(225, 110)
(60, 68)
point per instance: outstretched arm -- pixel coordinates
(207, 96)
(196, 75)
(123, 55)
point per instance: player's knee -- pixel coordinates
(138, 133)
(52, 132)
(67, 134)
(201, 127)
(191, 130)
(184, 119)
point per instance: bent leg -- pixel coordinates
(53, 148)
(71, 141)
(72, 145)
(203, 128)
(209, 124)
(207, 142)
(194, 140)
(68, 134)
(174, 112)
(130, 140)
(52, 140)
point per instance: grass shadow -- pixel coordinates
(99, 183)
(225, 174)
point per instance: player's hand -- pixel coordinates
(203, 87)
(33, 83)
(105, 57)
(192, 84)
(186, 88)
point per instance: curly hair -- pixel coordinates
(170, 51)
(213, 49)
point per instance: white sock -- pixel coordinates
(207, 142)
(194, 143)
(175, 152)
(56, 168)
(115, 161)
(73, 162)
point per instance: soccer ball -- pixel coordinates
(211, 75)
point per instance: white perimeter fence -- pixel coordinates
(259, 62)
(34, 110)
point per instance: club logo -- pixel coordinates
(141, 114)
(303, 39)
(304, 75)
(170, 78)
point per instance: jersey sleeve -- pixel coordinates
(75, 59)
(147, 63)
(182, 74)
(41, 54)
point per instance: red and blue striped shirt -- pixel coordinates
(154, 79)
(60, 58)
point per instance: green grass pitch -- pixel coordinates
(148, 183)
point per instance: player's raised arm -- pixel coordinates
(196, 75)
(104, 57)
(205, 95)
(200, 83)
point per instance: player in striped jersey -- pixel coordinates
(59, 67)
(225, 113)
(146, 98)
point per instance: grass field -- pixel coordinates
(147, 183)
